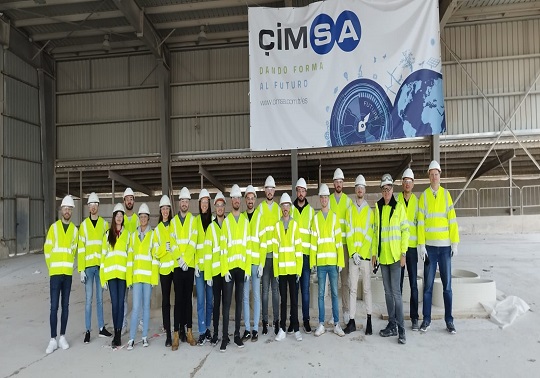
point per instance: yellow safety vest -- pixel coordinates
(360, 231)
(411, 211)
(91, 242)
(437, 223)
(167, 260)
(60, 248)
(326, 241)
(212, 251)
(201, 237)
(287, 247)
(142, 267)
(114, 259)
(234, 244)
(269, 218)
(394, 233)
(340, 209)
(131, 223)
(304, 220)
(186, 238)
(253, 239)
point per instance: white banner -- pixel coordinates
(344, 72)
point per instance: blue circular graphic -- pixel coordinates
(361, 113)
(348, 31)
(321, 34)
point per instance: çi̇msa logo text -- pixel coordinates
(323, 34)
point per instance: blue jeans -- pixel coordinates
(391, 275)
(117, 289)
(92, 275)
(205, 298)
(59, 284)
(441, 256)
(267, 280)
(141, 299)
(256, 283)
(332, 272)
(412, 270)
(304, 286)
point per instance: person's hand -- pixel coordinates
(454, 249)
(184, 267)
(339, 269)
(373, 261)
(197, 271)
(297, 278)
(83, 277)
(128, 287)
(422, 252)
(181, 261)
(260, 271)
(209, 283)
(277, 279)
(356, 259)
(106, 286)
(246, 278)
(228, 277)
(402, 260)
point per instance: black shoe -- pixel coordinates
(388, 331)
(215, 339)
(247, 336)
(117, 338)
(265, 328)
(104, 333)
(450, 328)
(87, 337)
(208, 335)
(351, 327)
(424, 327)
(401, 338)
(369, 328)
(223, 346)
(202, 340)
(254, 336)
(182, 333)
(290, 330)
(238, 341)
(307, 327)
(168, 341)
(276, 326)
(415, 326)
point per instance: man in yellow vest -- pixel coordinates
(91, 232)
(391, 243)
(438, 238)
(360, 231)
(60, 249)
(303, 214)
(131, 222)
(340, 204)
(410, 201)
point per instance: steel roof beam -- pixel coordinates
(211, 178)
(130, 183)
(492, 164)
(33, 4)
(446, 9)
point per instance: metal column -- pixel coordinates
(165, 126)
(294, 171)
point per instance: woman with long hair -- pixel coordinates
(114, 258)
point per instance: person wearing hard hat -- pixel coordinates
(303, 214)
(131, 222)
(360, 232)
(327, 255)
(142, 274)
(438, 238)
(114, 267)
(204, 291)
(212, 261)
(391, 242)
(169, 271)
(340, 204)
(235, 265)
(270, 213)
(287, 246)
(257, 268)
(184, 231)
(60, 248)
(91, 233)
(410, 201)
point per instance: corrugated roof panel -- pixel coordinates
(100, 24)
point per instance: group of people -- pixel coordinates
(278, 244)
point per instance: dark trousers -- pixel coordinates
(217, 291)
(412, 270)
(117, 289)
(237, 281)
(186, 293)
(59, 284)
(304, 286)
(289, 281)
(166, 284)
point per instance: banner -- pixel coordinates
(344, 72)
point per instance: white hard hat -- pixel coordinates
(143, 209)
(93, 198)
(250, 189)
(236, 192)
(360, 180)
(386, 179)
(128, 192)
(434, 165)
(68, 202)
(301, 183)
(285, 198)
(219, 196)
(323, 190)
(408, 174)
(269, 183)
(164, 201)
(338, 174)
(119, 207)
(184, 193)
(203, 193)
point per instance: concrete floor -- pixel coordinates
(479, 348)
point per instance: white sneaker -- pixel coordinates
(52, 346)
(281, 335)
(338, 331)
(63, 343)
(298, 336)
(130, 344)
(320, 330)
(144, 342)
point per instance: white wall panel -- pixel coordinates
(109, 73)
(22, 178)
(23, 102)
(18, 68)
(21, 140)
(73, 76)
(142, 70)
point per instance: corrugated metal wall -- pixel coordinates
(503, 59)
(21, 158)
